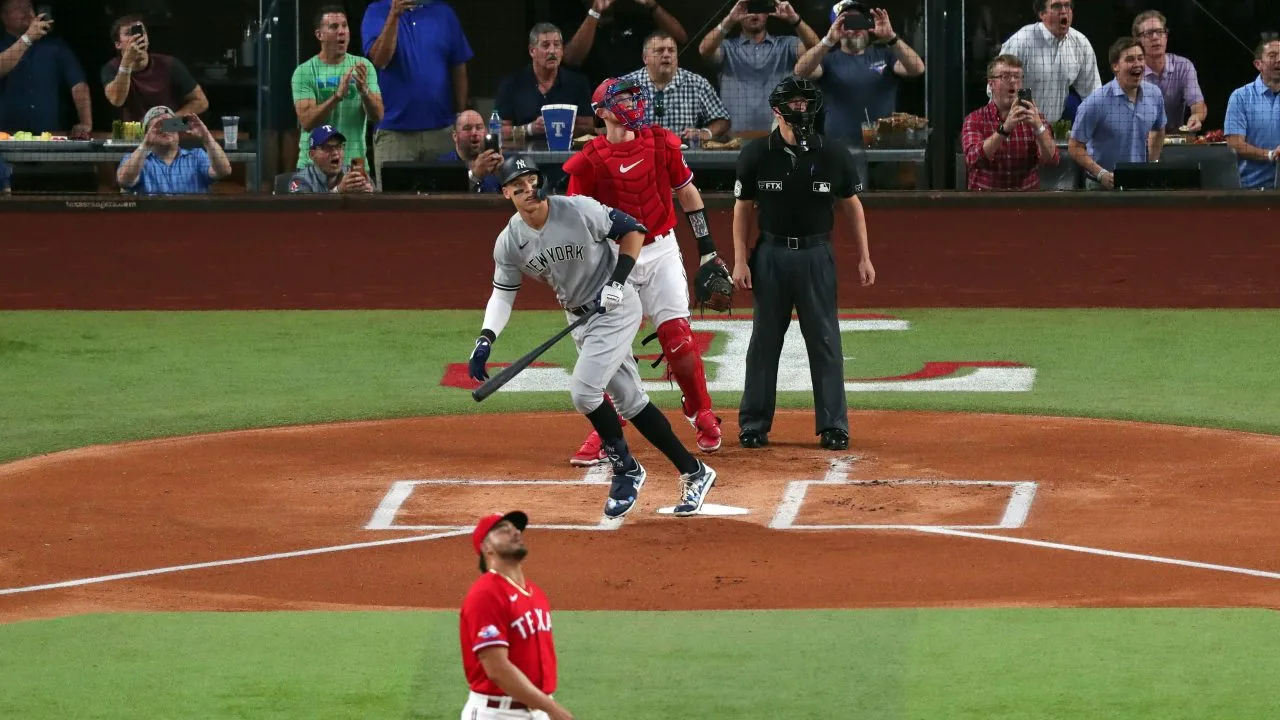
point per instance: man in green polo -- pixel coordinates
(336, 88)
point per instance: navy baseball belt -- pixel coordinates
(796, 242)
(587, 309)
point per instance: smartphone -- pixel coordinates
(174, 124)
(492, 142)
(45, 11)
(1024, 95)
(761, 6)
(135, 30)
(858, 20)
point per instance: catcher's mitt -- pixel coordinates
(713, 287)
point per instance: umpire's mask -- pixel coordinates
(801, 121)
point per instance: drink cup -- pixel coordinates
(559, 124)
(868, 134)
(230, 131)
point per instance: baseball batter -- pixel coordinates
(508, 649)
(636, 169)
(586, 251)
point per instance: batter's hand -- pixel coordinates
(611, 296)
(479, 356)
(742, 275)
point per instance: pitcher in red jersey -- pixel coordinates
(636, 168)
(508, 652)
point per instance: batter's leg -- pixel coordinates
(817, 306)
(772, 303)
(604, 347)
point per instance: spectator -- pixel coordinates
(680, 101)
(1122, 122)
(1055, 57)
(160, 167)
(137, 79)
(1006, 141)
(522, 94)
(1252, 126)
(753, 63)
(859, 82)
(6, 177)
(421, 55)
(33, 69)
(468, 148)
(327, 172)
(336, 88)
(1173, 74)
(610, 38)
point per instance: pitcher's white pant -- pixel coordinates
(660, 280)
(477, 708)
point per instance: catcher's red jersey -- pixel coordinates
(636, 176)
(497, 612)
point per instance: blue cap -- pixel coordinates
(322, 134)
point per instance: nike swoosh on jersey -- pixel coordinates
(628, 168)
(514, 597)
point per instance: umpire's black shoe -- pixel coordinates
(834, 439)
(751, 439)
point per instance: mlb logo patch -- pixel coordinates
(822, 187)
(294, 185)
(488, 632)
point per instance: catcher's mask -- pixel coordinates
(606, 98)
(518, 166)
(801, 121)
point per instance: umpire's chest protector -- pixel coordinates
(632, 176)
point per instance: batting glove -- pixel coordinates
(611, 296)
(479, 356)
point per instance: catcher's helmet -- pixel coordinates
(605, 98)
(801, 121)
(518, 166)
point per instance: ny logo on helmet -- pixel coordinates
(520, 164)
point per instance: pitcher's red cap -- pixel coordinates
(517, 518)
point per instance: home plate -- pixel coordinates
(711, 509)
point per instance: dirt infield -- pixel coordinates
(962, 486)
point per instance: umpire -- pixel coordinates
(795, 179)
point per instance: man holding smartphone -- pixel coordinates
(1007, 140)
(138, 79)
(161, 167)
(474, 147)
(327, 172)
(34, 69)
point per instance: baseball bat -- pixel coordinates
(505, 375)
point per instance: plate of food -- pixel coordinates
(41, 142)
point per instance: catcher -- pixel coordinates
(635, 169)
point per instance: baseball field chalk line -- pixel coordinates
(1016, 510)
(384, 516)
(1098, 551)
(452, 532)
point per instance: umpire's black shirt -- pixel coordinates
(796, 190)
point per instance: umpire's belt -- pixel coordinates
(796, 242)
(587, 309)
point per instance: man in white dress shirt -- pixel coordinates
(1054, 57)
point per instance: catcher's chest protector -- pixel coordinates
(644, 190)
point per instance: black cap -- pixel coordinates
(517, 166)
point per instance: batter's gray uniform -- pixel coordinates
(573, 254)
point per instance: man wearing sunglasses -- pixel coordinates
(1056, 59)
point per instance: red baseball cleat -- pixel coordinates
(591, 453)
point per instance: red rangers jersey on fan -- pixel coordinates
(497, 612)
(636, 176)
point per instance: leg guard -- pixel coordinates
(685, 363)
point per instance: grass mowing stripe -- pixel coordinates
(886, 664)
(75, 378)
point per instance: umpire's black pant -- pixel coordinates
(803, 279)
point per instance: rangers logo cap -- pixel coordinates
(487, 523)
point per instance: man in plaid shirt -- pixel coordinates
(680, 101)
(1006, 141)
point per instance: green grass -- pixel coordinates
(69, 379)
(881, 664)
